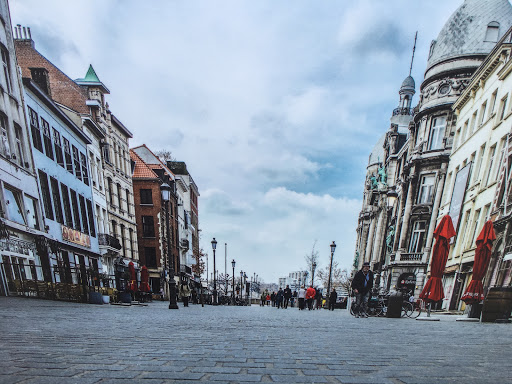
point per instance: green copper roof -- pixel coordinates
(91, 76)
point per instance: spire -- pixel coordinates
(91, 75)
(413, 51)
(91, 79)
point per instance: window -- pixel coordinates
(418, 234)
(85, 173)
(83, 211)
(67, 206)
(494, 97)
(473, 123)
(32, 214)
(127, 192)
(76, 161)
(426, 189)
(472, 161)
(493, 32)
(114, 228)
(7, 69)
(76, 211)
(479, 161)
(437, 133)
(148, 226)
(14, 205)
(465, 132)
(476, 220)
(45, 192)
(48, 149)
(110, 192)
(122, 240)
(105, 150)
(483, 109)
(67, 155)
(119, 200)
(146, 196)
(56, 200)
(490, 163)
(503, 107)
(19, 145)
(90, 215)
(36, 132)
(59, 154)
(4, 137)
(456, 139)
(150, 256)
(130, 234)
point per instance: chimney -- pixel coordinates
(22, 35)
(41, 78)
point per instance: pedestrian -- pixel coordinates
(194, 296)
(293, 300)
(279, 298)
(184, 293)
(263, 298)
(318, 298)
(268, 299)
(301, 296)
(162, 294)
(332, 299)
(287, 296)
(362, 285)
(310, 295)
(273, 298)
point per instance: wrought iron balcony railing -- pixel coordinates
(109, 240)
(403, 111)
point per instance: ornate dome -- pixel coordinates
(473, 29)
(408, 84)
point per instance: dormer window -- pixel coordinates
(493, 32)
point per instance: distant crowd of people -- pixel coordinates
(310, 297)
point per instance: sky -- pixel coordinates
(274, 106)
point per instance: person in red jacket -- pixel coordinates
(310, 295)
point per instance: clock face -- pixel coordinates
(444, 89)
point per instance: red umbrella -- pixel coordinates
(433, 290)
(132, 286)
(475, 290)
(144, 278)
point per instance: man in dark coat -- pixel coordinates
(362, 286)
(279, 298)
(287, 296)
(332, 299)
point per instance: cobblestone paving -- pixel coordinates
(56, 342)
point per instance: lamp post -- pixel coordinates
(233, 293)
(214, 247)
(313, 267)
(333, 248)
(245, 285)
(166, 197)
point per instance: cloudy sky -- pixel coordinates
(274, 105)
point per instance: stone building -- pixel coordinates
(422, 162)
(22, 228)
(157, 220)
(474, 191)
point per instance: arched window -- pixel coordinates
(493, 32)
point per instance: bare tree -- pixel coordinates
(312, 260)
(200, 266)
(339, 278)
(165, 155)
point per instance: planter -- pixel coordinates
(106, 299)
(125, 297)
(95, 298)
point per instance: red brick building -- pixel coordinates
(157, 221)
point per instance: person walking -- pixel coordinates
(263, 299)
(287, 296)
(301, 296)
(279, 298)
(310, 295)
(362, 285)
(268, 299)
(273, 298)
(184, 293)
(332, 299)
(318, 298)
(293, 300)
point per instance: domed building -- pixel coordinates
(464, 42)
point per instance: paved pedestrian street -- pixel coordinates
(58, 342)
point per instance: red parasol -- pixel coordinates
(433, 290)
(132, 286)
(144, 278)
(475, 290)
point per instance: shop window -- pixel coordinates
(67, 155)
(148, 226)
(45, 192)
(59, 153)
(14, 205)
(146, 196)
(36, 132)
(418, 235)
(56, 201)
(48, 149)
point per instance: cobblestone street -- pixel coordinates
(58, 342)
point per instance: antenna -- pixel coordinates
(413, 51)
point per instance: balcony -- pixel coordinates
(406, 258)
(104, 239)
(403, 112)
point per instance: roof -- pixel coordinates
(465, 31)
(141, 171)
(152, 160)
(408, 83)
(91, 79)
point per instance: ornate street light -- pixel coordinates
(233, 293)
(333, 248)
(391, 197)
(313, 267)
(166, 197)
(214, 247)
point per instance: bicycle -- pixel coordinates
(410, 307)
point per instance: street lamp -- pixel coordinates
(214, 247)
(245, 283)
(241, 284)
(166, 197)
(233, 293)
(333, 248)
(313, 267)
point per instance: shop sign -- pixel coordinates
(77, 237)
(407, 279)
